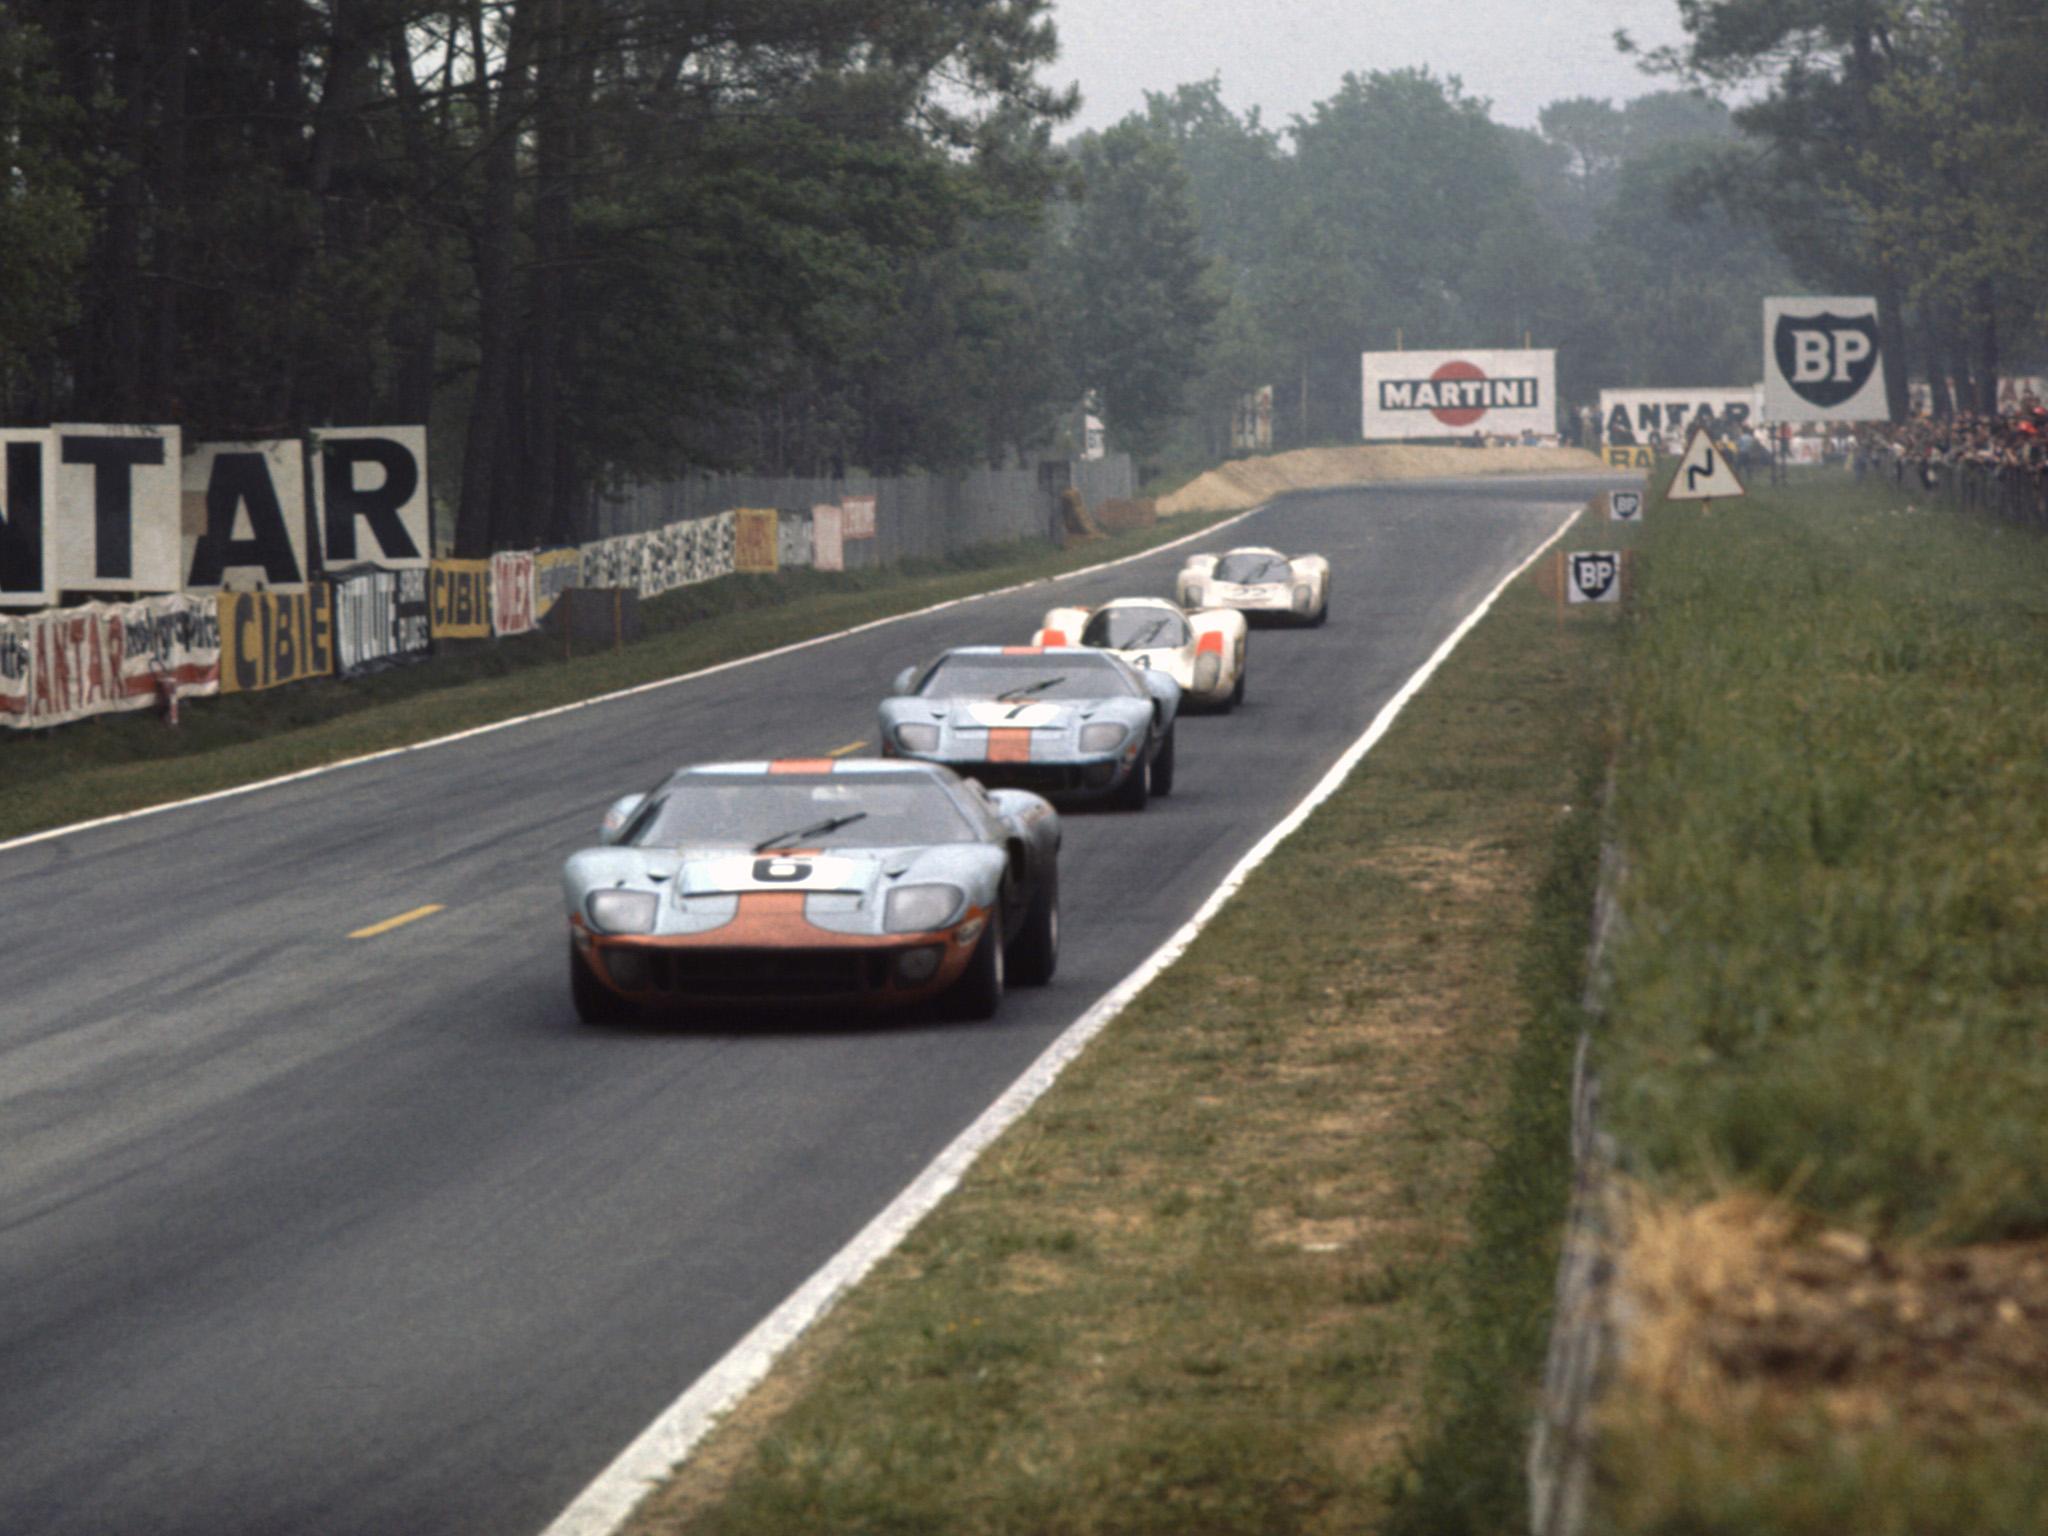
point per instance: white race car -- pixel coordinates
(1257, 580)
(1204, 652)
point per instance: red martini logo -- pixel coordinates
(1458, 394)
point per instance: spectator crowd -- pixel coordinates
(1999, 461)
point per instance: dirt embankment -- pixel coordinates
(1247, 482)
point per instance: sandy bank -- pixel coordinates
(1247, 482)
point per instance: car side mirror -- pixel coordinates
(615, 819)
(906, 682)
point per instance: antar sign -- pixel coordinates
(1822, 361)
(1446, 394)
(123, 509)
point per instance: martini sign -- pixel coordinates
(1455, 394)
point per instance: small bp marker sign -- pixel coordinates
(1624, 506)
(1593, 576)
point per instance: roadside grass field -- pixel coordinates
(1826, 1055)
(113, 763)
(1276, 1253)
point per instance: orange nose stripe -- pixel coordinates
(801, 765)
(1212, 641)
(1009, 745)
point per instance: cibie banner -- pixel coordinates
(460, 599)
(66, 664)
(1458, 394)
(754, 543)
(268, 639)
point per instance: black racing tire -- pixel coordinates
(1162, 766)
(1237, 693)
(1322, 616)
(595, 1002)
(1136, 788)
(1035, 952)
(979, 992)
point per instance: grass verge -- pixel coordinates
(1201, 1286)
(1825, 1054)
(113, 763)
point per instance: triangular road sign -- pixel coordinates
(1704, 474)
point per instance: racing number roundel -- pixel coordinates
(781, 871)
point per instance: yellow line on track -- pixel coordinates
(399, 921)
(851, 746)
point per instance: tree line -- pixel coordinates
(596, 239)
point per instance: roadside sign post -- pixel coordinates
(1703, 474)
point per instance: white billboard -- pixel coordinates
(1823, 360)
(117, 508)
(1632, 417)
(1457, 394)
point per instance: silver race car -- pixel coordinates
(1068, 721)
(851, 883)
(1257, 581)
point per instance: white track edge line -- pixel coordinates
(604, 1506)
(622, 693)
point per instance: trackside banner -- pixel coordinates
(512, 593)
(555, 571)
(268, 639)
(1634, 417)
(828, 538)
(459, 595)
(69, 663)
(792, 539)
(1455, 394)
(754, 546)
(380, 617)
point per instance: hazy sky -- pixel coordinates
(1285, 55)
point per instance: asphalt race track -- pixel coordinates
(311, 1234)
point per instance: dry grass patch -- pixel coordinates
(1845, 1384)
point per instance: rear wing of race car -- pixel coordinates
(1061, 626)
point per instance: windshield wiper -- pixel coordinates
(1022, 694)
(816, 829)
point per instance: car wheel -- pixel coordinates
(1322, 616)
(1162, 766)
(1237, 691)
(1136, 788)
(979, 991)
(1036, 953)
(595, 1002)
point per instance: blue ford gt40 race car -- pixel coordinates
(1071, 722)
(860, 883)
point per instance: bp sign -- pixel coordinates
(1624, 506)
(1823, 361)
(1593, 576)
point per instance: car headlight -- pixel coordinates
(1105, 737)
(1302, 598)
(922, 908)
(1207, 669)
(1191, 597)
(622, 911)
(918, 738)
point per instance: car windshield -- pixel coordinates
(1247, 570)
(1135, 629)
(1054, 675)
(829, 810)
